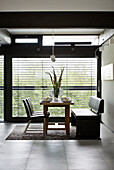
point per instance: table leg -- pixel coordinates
(67, 119)
(45, 125)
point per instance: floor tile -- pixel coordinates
(56, 154)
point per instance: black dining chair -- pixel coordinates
(32, 116)
(28, 99)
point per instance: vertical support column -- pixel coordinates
(99, 92)
(7, 88)
(99, 74)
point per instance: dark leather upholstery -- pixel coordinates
(32, 112)
(87, 121)
(96, 104)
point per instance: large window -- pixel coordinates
(1, 87)
(30, 80)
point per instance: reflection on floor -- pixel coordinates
(56, 154)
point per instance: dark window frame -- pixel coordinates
(13, 53)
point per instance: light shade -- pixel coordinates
(52, 57)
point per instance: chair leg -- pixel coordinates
(27, 126)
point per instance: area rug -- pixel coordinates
(18, 134)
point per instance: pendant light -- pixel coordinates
(52, 55)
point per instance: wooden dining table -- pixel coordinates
(67, 113)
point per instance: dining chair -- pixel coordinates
(34, 116)
(28, 99)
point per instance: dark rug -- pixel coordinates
(17, 134)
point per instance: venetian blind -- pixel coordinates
(29, 75)
(32, 72)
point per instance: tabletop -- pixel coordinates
(57, 103)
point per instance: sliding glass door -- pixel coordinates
(29, 79)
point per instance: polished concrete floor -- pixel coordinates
(56, 154)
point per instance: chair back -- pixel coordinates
(27, 108)
(96, 104)
(30, 105)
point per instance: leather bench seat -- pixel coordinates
(87, 121)
(84, 113)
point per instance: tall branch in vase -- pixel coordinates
(56, 83)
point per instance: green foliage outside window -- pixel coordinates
(30, 74)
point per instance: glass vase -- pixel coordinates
(56, 92)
